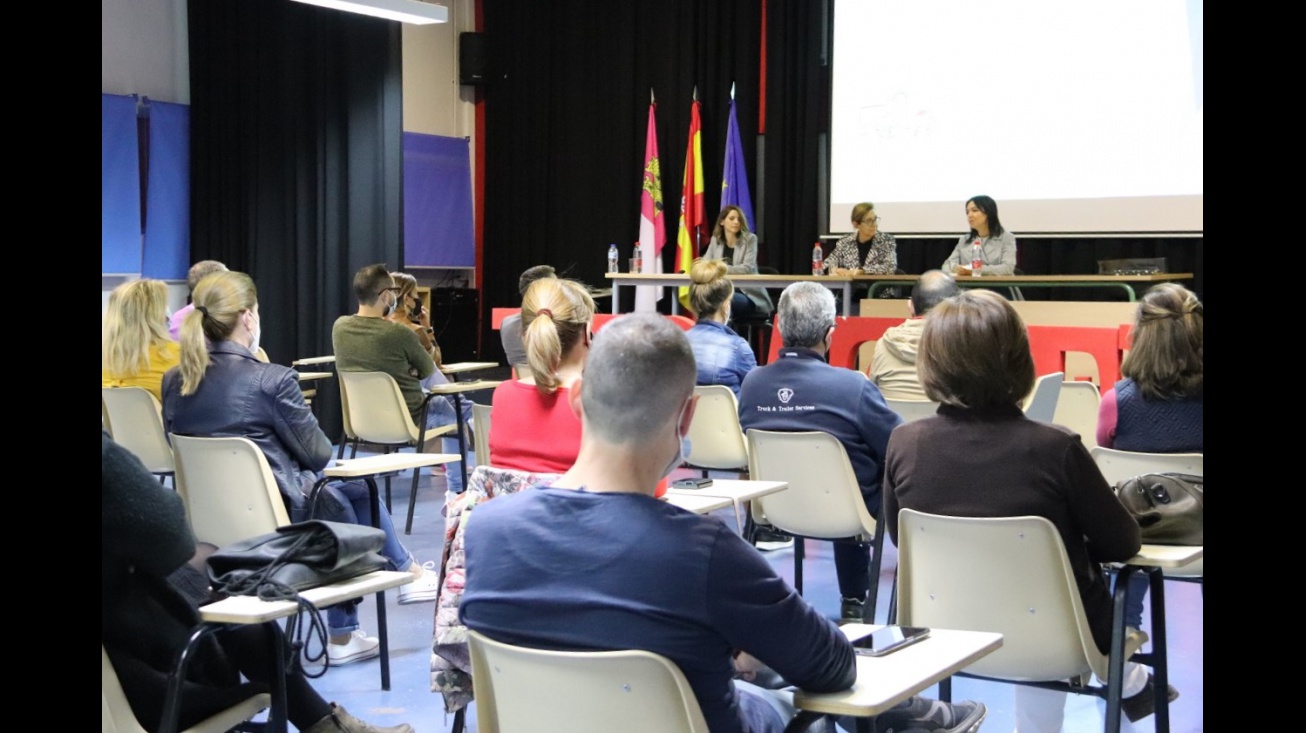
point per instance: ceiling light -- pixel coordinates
(404, 11)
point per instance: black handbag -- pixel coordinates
(1168, 507)
(300, 556)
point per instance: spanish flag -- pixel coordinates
(691, 200)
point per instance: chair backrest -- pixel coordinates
(134, 421)
(715, 439)
(377, 410)
(1041, 404)
(1006, 574)
(116, 715)
(910, 410)
(228, 488)
(1118, 465)
(522, 690)
(1077, 409)
(344, 413)
(823, 500)
(481, 431)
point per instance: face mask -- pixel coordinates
(685, 446)
(255, 333)
(391, 307)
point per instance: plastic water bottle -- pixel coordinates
(818, 259)
(638, 259)
(612, 258)
(976, 258)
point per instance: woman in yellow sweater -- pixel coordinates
(135, 347)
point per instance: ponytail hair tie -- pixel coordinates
(203, 311)
(544, 312)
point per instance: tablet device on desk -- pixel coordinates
(890, 639)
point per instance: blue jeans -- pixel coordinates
(350, 502)
(439, 412)
(1134, 594)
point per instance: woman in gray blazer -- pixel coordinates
(732, 242)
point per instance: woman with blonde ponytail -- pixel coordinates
(135, 349)
(222, 389)
(534, 428)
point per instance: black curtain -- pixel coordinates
(566, 116)
(296, 160)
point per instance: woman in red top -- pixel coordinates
(533, 427)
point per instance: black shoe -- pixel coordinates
(852, 609)
(769, 538)
(922, 715)
(1143, 704)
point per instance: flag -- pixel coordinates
(652, 223)
(692, 217)
(734, 177)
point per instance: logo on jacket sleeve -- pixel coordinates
(785, 394)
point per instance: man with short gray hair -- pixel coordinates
(893, 365)
(800, 391)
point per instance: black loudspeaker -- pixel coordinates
(454, 318)
(473, 59)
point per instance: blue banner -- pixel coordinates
(438, 229)
(167, 200)
(120, 187)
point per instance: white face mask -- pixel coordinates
(255, 333)
(685, 446)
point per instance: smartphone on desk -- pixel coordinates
(890, 639)
(692, 483)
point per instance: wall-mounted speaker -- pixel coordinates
(473, 59)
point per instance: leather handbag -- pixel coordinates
(296, 557)
(1168, 507)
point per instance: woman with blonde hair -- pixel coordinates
(409, 312)
(534, 428)
(135, 348)
(221, 389)
(721, 355)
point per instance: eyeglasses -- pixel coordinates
(869, 220)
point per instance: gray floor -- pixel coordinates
(410, 699)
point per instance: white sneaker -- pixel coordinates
(359, 647)
(423, 588)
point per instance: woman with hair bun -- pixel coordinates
(534, 428)
(721, 355)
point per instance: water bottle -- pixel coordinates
(818, 259)
(637, 259)
(976, 258)
(612, 258)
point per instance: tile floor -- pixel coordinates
(357, 686)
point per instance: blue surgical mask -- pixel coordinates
(685, 446)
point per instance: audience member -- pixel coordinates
(135, 350)
(801, 391)
(981, 457)
(221, 390)
(510, 331)
(647, 574)
(1157, 407)
(367, 342)
(722, 357)
(409, 312)
(149, 596)
(734, 243)
(533, 427)
(193, 277)
(893, 365)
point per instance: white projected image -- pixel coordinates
(1075, 116)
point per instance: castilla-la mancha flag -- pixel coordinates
(652, 223)
(692, 215)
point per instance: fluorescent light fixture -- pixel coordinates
(404, 11)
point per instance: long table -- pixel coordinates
(1124, 282)
(843, 284)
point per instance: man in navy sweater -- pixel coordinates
(595, 562)
(800, 391)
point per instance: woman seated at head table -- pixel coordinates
(733, 242)
(221, 389)
(135, 348)
(975, 360)
(722, 356)
(867, 250)
(998, 246)
(533, 426)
